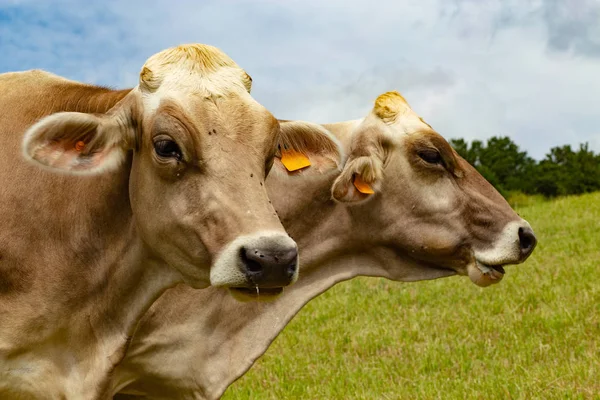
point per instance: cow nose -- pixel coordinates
(527, 241)
(270, 268)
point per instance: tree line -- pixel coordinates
(563, 171)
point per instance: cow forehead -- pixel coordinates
(410, 127)
(235, 114)
(185, 89)
(190, 70)
(410, 124)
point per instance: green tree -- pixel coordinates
(500, 161)
(563, 171)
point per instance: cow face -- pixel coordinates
(202, 147)
(426, 201)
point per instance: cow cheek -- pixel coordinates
(147, 196)
(438, 241)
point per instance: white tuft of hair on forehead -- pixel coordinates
(394, 110)
(201, 69)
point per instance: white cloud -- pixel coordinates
(473, 69)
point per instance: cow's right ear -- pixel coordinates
(79, 143)
(305, 148)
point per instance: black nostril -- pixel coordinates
(527, 240)
(291, 269)
(250, 261)
(292, 266)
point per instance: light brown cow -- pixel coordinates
(155, 185)
(431, 216)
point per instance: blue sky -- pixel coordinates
(473, 69)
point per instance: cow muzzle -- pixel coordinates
(513, 246)
(257, 265)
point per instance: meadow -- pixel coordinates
(536, 335)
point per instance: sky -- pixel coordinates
(472, 69)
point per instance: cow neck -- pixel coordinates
(134, 280)
(126, 281)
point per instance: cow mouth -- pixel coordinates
(485, 268)
(483, 274)
(498, 268)
(255, 293)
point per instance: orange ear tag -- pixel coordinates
(362, 186)
(294, 160)
(79, 145)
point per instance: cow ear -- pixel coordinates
(359, 181)
(79, 143)
(305, 148)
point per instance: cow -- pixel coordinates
(405, 206)
(109, 197)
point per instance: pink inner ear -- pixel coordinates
(68, 156)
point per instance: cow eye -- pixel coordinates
(167, 149)
(430, 156)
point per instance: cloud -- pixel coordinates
(472, 69)
(573, 25)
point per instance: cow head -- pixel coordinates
(414, 202)
(199, 148)
(428, 202)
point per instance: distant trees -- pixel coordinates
(563, 171)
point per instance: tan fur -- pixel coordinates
(424, 222)
(83, 257)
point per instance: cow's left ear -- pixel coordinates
(305, 148)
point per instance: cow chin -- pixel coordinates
(484, 275)
(244, 295)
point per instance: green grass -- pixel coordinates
(519, 200)
(536, 335)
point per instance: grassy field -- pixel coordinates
(536, 335)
